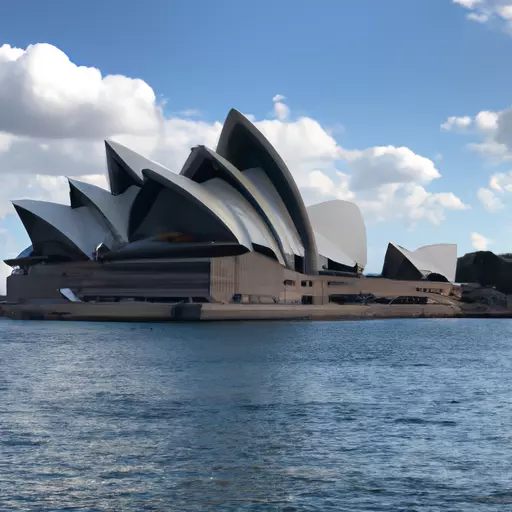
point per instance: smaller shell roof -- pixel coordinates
(77, 225)
(115, 209)
(123, 168)
(342, 225)
(433, 259)
(330, 250)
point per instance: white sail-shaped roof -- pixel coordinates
(78, 225)
(246, 148)
(442, 256)
(210, 201)
(430, 259)
(328, 249)
(246, 215)
(205, 165)
(284, 224)
(121, 173)
(341, 223)
(115, 209)
(154, 171)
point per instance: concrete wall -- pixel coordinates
(160, 279)
(379, 287)
(254, 276)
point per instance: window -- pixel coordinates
(289, 282)
(306, 283)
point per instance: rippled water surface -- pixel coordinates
(405, 415)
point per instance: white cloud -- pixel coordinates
(486, 120)
(54, 115)
(490, 201)
(383, 165)
(421, 204)
(322, 183)
(483, 11)
(457, 123)
(6, 140)
(495, 128)
(468, 4)
(480, 242)
(190, 112)
(501, 182)
(408, 202)
(505, 11)
(281, 110)
(479, 18)
(44, 94)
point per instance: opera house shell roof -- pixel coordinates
(237, 199)
(436, 262)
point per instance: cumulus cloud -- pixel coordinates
(410, 202)
(489, 200)
(484, 11)
(495, 129)
(478, 17)
(55, 115)
(457, 123)
(484, 121)
(322, 183)
(501, 181)
(44, 94)
(468, 4)
(388, 164)
(480, 242)
(281, 109)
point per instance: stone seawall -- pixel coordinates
(152, 312)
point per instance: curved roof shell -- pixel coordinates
(248, 218)
(123, 166)
(185, 206)
(114, 209)
(205, 165)
(339, 228)
(329, 250)
(400, 263)
(245, 147)
(291, 241)
(442, 256)
(48, 223)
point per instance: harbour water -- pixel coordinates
(396, 415)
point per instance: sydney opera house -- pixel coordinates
(230, 227)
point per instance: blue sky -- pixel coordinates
(372, 73)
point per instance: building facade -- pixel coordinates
(231, 226)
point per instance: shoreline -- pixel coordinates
(214, 312)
